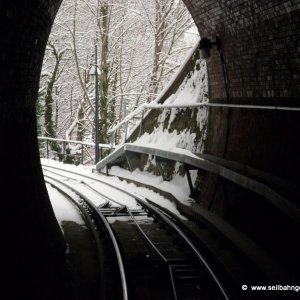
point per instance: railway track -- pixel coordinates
(109, 279)
(152, 256)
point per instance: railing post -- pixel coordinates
(81, 154)
(128, 161)
(112, 138)
(126, 126)
(64, 150)
(47, 147)
(141, 124)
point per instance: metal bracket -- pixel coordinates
(158, 161)
(128, 161)
(194, 192)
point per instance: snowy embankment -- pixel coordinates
(178, 186)
(181, 194)
(166, 134)
(177, 129)
(193, 90)
(63, 209)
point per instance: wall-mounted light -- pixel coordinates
(206, 45)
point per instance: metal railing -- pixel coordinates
(143, 110)
(72, 151)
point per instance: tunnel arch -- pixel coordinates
(260, 47)
(258, 39)
(260, 44)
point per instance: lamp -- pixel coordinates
(205, 46)
(94, 71)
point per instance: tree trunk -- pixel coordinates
(104, 67)
(34, 259)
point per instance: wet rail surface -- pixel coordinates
(152, 257)
(84, 250)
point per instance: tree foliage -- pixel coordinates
(141, 44)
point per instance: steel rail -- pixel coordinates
(244, 244)
(138, 226)
(56, 184)
(143, 202)
(109, 230)
(156, 250)
(89, 186)
(146, 237)
(167, 220)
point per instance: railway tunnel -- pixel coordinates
(260, 50)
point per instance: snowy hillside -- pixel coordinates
(168, 132)
(174, 129)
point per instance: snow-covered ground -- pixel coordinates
(177, 187)
(63, 209)
(193, 90)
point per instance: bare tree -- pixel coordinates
(141, 44)
(52, 79)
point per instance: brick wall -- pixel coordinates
(261, 50)
(37, 252)
(260, 43)
(24, 29)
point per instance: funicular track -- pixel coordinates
(155, 258)
(112, 281)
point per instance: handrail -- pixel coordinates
(160, 98)
(84, 147)
(188, 158)
(155, 105)
(73, 142)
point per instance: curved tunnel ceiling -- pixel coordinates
(260, 47)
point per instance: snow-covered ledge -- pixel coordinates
(190, 159)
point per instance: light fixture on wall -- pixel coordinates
(205, 47)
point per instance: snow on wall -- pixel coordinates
(180, 129)
(175, 129)
(192, 90)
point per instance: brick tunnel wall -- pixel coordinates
(261, 50)
(260, 43)
(24, 28)
(34, 248)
